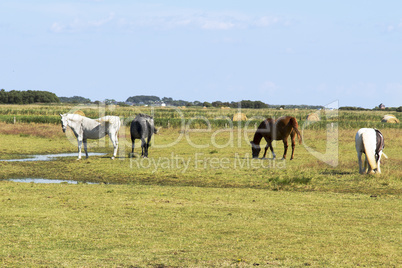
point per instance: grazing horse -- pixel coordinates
(369, 141)
(86, 128)
(142, 127)
(279, 129)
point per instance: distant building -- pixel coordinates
(381, 106)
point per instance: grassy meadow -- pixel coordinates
(199, 199)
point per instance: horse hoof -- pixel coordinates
(112, 158)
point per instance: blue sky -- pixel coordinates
(279, 52)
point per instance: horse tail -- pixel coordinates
(369, 144)
(295, 126)
(120, 122)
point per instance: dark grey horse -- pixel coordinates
(142, 127)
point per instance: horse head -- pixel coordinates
(63, 122)
(255, 149)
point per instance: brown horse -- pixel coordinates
(279, 129)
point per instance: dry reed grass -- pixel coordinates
(31, 129)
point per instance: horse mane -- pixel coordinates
(261, 129)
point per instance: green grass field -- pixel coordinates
(199, 199)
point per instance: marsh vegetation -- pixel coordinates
(199, 199)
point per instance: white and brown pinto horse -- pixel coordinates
(369, 141)
(279, 129)
(86, 128)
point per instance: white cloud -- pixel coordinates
(395, 26)
(78, 25)
(172, 19)
(216, 21)
(217, 25)
(266, 21)
(101, 22)
(57, 27)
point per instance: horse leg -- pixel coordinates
(266, 148)
(85, 147)
(116, 142)
(265, 151)
(113, 139)
(285, 146)
(359, 158)
(79, 140)
(293, 144)
(378, 163)
(147, 147)
(366, 165)
(149, 139)
(272, 149)
(143, 147)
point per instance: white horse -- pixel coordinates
(369, 141)
(86, 128)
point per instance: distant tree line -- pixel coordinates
(35, 96)
(397, 109)
(236, 104)
(75, 99)
(156, 101)
(152, 100)
(352, 108)
(143, 99)
(27, 97)
(294, 106)
(171, 102)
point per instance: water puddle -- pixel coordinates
(47, 157)
(29, 180)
